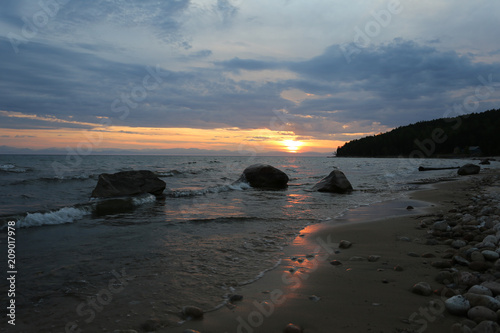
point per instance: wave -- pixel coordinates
(142, 200)
(61, 216)
(260, 275)
(72, 214)
(170, 173)
(239, 186)
(13, 168)
(55, 179)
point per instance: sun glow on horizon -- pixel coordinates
(292, 146)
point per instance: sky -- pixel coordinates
(239, 75)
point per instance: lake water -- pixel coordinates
(208, 236)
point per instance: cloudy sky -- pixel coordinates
(259, 75)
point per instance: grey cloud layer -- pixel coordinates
(392, 83)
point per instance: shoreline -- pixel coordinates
(371, 288)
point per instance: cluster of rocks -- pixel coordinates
(263, 176)
(470, 267)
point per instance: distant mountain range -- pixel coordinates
(173, 151)
(476, 134)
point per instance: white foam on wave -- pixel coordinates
(137, 201)
(239, 186)
(12, 168)
(212, 189)
(261, 274)
(61, 216)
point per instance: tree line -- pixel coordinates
(471, 134)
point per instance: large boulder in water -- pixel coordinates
(264, 176)
(335, 182)
(128, 183)
(469, 169)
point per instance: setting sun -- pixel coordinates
(292, 146)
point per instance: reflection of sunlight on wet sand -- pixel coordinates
(298, 266)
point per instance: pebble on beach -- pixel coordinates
(398, 268)
(486, 326)
(235, 298)
(292, 328)
(422, 288)
(344, 244)
(481, 313)
(193, 312)
(314, 298)
(373, 258)
(457, 305)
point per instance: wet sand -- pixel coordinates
(358, 295)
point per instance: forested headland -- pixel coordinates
(475, 134)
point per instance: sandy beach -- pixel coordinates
(369, 286)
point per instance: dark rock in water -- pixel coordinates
(410, 208)
(485, 162)
(264, 176)
(432, 169)
(113, 206)
(469, 169)
(127, 183)
(335, 182)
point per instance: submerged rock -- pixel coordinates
(469, 169)
(335, 182)
(128, 183)
(264, 176)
